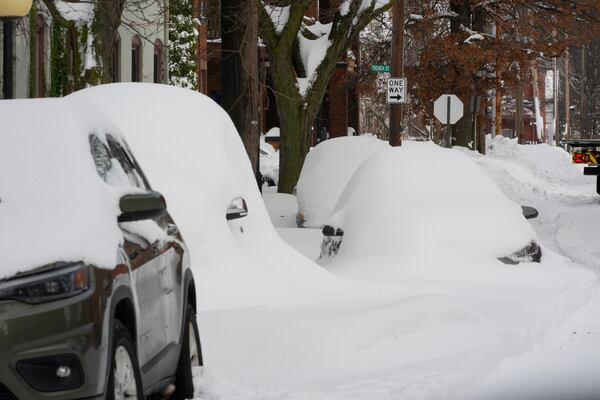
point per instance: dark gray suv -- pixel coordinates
(71, 328)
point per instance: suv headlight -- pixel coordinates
(51, 285)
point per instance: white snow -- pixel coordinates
(82, 12)
(273, 132)
(326, 171)
(269, 162)
(279, 16)
(54, 206)
(474, 38)
(312, 53)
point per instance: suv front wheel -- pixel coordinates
(124, 380)
(190, 357)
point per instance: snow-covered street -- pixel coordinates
(420, 332)
(300, 200)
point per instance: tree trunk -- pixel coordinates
(583, 126)
(107, 18)
(519, 112)
(296, 124)
(567, 134)
(239, 58)
(498, 105)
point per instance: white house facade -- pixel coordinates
(140, 55)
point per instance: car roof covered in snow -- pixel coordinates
(54, 206)
(327, 169)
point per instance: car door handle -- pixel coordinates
(172, 230)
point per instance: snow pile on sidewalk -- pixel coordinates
(269, 161)
(540, 172)
(326, 171)
(546, 162)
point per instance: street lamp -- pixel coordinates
(10, 9)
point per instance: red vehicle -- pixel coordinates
(586, 152)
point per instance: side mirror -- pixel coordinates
(529, 212)
(237, 209)
(142, 206)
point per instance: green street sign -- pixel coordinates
(380, 68)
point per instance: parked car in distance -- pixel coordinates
(466, 213)
(97, 299)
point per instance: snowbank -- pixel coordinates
(54, 206)
(326, 171)
(269, 161)
(191, 152)
(540, 172)
(547, 162)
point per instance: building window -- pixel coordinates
(40, 56)
(116, 60)
(136, 59)
(158, 61)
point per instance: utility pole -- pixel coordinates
(567, 97)
(398, 20)
(555, 80)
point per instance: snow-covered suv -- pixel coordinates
(97, 298)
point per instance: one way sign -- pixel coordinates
(396, 90)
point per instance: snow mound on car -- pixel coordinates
(191, 152)
(407, 200)
(326, 171)
(54, 207)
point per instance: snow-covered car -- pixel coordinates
(97, 298)
(193, 154)
(326, 171)
(406, 200)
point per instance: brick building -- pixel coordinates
(529, 126)
(340, 106)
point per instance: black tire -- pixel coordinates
(184, 380)
(122, 339)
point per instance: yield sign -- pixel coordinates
(448, 109)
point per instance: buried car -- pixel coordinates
(407, 200)
(97, 298)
